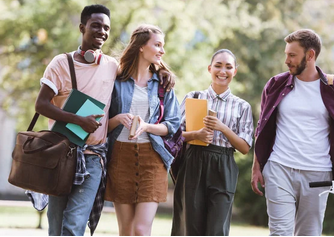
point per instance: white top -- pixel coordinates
(302, 134)
(139, 106)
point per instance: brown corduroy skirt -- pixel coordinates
(135, 174)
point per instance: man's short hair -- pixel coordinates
(89, 10)
(307, 39)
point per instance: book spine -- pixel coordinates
(133, 127)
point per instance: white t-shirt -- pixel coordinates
(139, 106)
(302, 134)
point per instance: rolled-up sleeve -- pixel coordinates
(172, 117)
(49, 84)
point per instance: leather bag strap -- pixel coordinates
(72, 71)
(74, 86)
(33, 122)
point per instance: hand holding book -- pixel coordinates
(133, 127)
(90, 123)
(87, 109)
(196, 115)
(88, 105)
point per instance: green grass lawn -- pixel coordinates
(23, 221)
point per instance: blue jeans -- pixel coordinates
(68, 215)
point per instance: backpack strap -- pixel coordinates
(161, 95)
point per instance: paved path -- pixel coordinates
(22, 232)
(163, 207)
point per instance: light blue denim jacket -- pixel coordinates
(121, 102)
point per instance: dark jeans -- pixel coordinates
(204, 192)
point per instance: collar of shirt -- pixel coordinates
(223, 96)
(290, 81)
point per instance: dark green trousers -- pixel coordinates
(204, 192)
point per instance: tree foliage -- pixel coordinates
(33, 32)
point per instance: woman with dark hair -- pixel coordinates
(137, 172)
(207, 180)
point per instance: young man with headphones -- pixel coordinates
(95, 73)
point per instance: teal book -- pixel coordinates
(88, 108)
(73, 103)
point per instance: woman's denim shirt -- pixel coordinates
(121, 102)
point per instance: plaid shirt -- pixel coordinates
(233, 111)
(40, 201)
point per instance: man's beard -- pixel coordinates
(301, 67)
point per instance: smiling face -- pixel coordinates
(153, 50)
(295, 58)
(222, 70)
(95, 32)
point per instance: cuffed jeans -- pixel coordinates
(293, 207)
(68, 215)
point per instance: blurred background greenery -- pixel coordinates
(32, 32)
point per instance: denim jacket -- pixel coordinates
(121, 100)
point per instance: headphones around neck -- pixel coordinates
(90, 56)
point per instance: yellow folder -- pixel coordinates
(196, 110)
